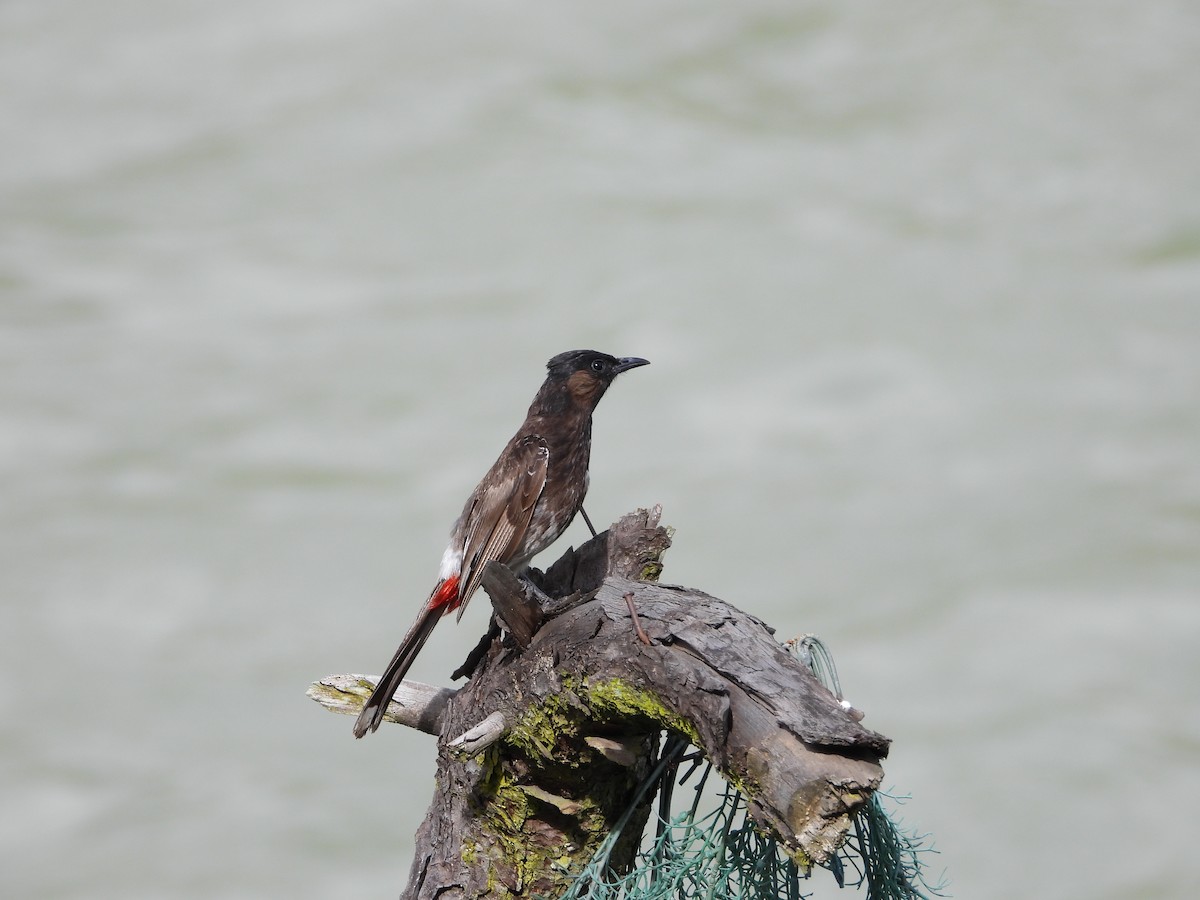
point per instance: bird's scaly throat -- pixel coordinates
(569, 443)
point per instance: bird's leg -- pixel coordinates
(583, 512)
(637, 623)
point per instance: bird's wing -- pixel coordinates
(501, 514)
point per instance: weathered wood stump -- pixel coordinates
(542, 751)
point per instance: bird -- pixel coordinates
(520, 507)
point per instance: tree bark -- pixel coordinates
(541, 752)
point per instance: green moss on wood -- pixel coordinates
(542, 725)
(620, 699)
(515, 794)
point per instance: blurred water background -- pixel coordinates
(921, 287)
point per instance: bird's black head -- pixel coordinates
(596, 364)
(586, 374)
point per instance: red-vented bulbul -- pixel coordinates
(525, 501)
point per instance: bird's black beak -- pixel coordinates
(629, 362)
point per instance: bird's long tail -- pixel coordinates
(442, 601)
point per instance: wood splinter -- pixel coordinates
(481, 736)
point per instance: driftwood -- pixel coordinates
(542, 750)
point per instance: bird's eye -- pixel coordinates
(597, 365)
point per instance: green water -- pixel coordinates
(921, 288)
